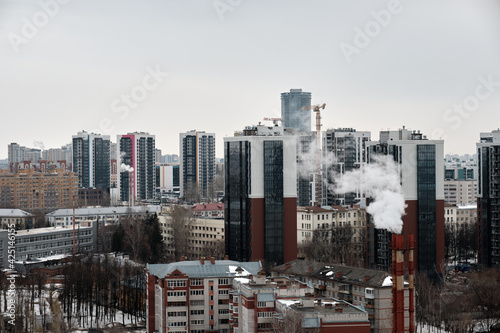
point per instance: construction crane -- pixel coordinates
(274, 120)
(317, 108)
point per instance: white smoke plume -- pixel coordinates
(380, 181)
(125, 167)
(307, 157)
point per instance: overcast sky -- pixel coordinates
(220, 65)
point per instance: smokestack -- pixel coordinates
(412, 288)
(398, 318)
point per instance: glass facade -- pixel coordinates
(426, 191)
(291, 109)
(101, 164)
(273, 203)
(237, 203)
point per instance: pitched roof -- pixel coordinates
(313, 209)
(8, 212)
(105, 210)
(339, 273)
(210, 206)
(220, 268)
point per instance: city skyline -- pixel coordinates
(208, 65)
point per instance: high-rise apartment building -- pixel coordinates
(420, 165)
(261, 196)
(65, 153)
(18, 153)
(167, 180)
(136, 163)
(292, 113)
(197, 164)
(347, 149)
(91, 160)
(488, 202)
(30, 189)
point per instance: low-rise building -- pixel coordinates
(450, 213)
(326, 220)
(205, 236)
(18, 217)
(211, 211)
(105, 215)
(367, 288)
(281, 304)
(320, 315)
(44, 242)
(192, 296)
(466, 215)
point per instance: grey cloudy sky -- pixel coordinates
(377, 64)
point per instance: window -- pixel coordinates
(261, 304)
(197, 322)
(224, 281)
(197, 312)
(196, 292)
(196, 282)
(176, 294)
(264, 314)
(223, 291)
(176, 283)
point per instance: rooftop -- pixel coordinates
(44, 230)
(340, 273)
(121, 210)
(14, 213)
(195, 269)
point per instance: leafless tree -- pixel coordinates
(180, 221)
(214, 249)
(291, 321)
(134, 233)
(215, 186)
(192, 192)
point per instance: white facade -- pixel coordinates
(257, 156)
(407, 142)
(167, 178)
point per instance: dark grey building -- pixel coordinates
(291, 109)
(91, 160)
(197, 164)
(488, 201)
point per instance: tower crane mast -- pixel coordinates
(317, 109)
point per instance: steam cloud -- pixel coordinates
(380, 181)
(127, 168)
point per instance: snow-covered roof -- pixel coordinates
(14, 213)
(195, 269)
(121, 210)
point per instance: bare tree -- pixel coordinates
(484, 293)
(214, 249)
(192, 192)
(134, 233)
(180, 221)
(215, 187)
(291, 321)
